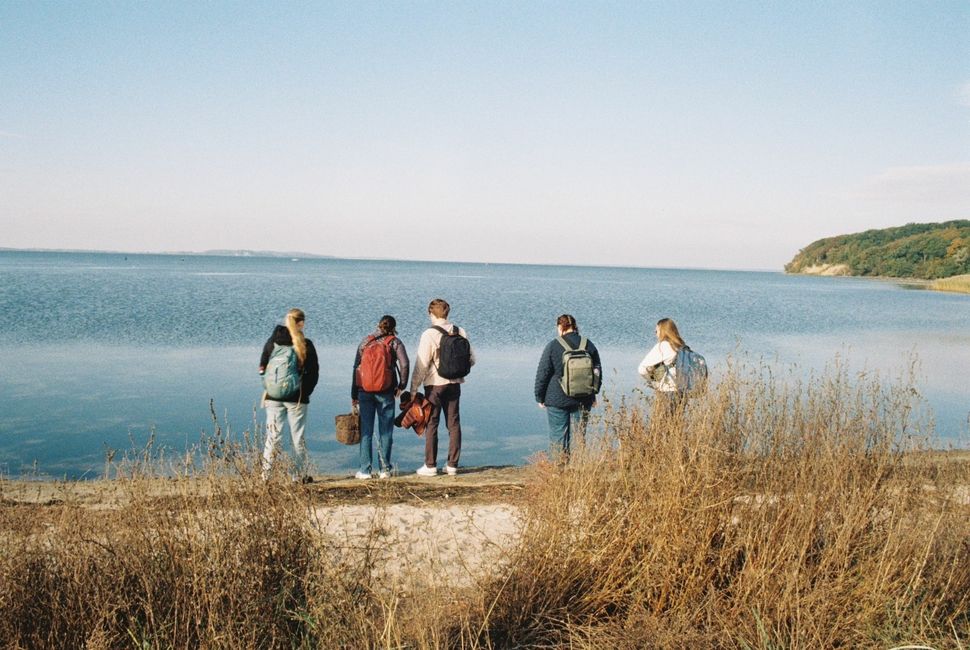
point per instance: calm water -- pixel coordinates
(98, 350)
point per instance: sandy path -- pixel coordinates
(441, 545)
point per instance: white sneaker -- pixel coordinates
(362, 476)
(451, 470)
(424, 470)
(384, 474)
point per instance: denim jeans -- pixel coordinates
(380, 405)
(562, 424)
(277, 413)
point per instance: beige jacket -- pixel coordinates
(426, 365)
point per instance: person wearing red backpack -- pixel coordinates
(380, 374)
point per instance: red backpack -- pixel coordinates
(375, 374)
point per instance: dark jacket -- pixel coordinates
(311, 366)
(402, 368)
(548, 390)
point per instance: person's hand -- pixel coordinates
(397, 393)
(594, 403)
(541, 405)
(353, 403)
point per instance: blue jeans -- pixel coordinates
(562, 423)
(381, 405)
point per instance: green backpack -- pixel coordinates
(579, 376)
(282, 376)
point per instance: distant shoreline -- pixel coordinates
(248, 254)
(953, 284)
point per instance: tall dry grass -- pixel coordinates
(770, 514)
(957, 284)
(773, 513)
(218, 559)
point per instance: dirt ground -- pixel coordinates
(474, 485)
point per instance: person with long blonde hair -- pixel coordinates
(658, 367)
(290, 371)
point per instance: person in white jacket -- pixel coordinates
(443, 393)
(658, 366)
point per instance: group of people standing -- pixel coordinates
(567, 408)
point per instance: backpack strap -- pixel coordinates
(581, 347)
(436, 356)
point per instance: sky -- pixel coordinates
(721, 135)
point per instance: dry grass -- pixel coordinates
(773, 514)
(769, 515)
(957, 284)
(237, 566)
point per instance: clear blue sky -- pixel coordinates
(720, 135)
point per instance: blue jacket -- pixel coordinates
(547, 388)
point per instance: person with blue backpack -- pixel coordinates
(671, 368)
(567, 380)
(290, 370)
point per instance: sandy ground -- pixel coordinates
(442, 531)
(430, 544)
(446, 530)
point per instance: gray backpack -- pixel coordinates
(579, 376)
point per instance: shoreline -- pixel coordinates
(487, 484)
(490, 484)
(909, 283)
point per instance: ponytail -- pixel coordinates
(293, 317)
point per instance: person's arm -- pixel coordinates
(544, 373)
(264, 357)
(311, 369)
(403, 365)
(597, 366)
(354, 388)
(653, 358)
(423, 362)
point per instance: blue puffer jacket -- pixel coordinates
(547, 389)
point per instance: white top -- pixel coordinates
(665, 353)
(426, 366)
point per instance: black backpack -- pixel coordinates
(454, 354)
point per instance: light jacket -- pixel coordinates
(426, 364)
(663, 352)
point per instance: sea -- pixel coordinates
(103, 354)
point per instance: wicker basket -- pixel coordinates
(348, 428)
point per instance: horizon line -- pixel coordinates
(269, 254)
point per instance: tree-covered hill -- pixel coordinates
(916, 250)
